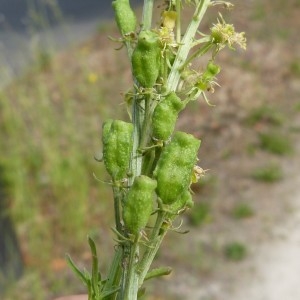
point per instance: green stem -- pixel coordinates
(146, 123)
(118, 197)
(178, 21)
(136, 156)
(186, 44)
(156, 238)
(147, 14)
(198, 53)
(129, 281)
(114, 275)
(132, 286)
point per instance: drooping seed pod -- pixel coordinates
(175, 166)
(139, 203)
(125, 16)
(146, 58)
(165, 116)
(117, 147)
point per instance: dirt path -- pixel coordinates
(275, 266)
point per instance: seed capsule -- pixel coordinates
(117, 146)
(175, 166)
(139, 203)
(146, 58)
(106, 129)
(211, 71)
(183, 201)
(125, 16)
(165, 116)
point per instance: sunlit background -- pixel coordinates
(61, 76)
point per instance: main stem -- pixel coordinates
(186, 45)
(133, 271)
(129, 285)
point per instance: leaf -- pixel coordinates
(141, 292)
(76, 270)
(96, 277)
(158, 272)
(109, 293)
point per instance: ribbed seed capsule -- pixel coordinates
(125, 16)
(106, 129)
(139, 203)
(146, 58)
(175, 166)
(165, 116)
(184, 201)
(117, 146)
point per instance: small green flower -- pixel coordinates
(224, 34)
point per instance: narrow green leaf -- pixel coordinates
(109, 293)
(96, 278)
(141, 292)
(76, 270)
(158, 272)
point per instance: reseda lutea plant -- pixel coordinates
(151, 166)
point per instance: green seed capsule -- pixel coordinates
(175, 166)
(117, 146)
(106, 129)
(211, 71)
(183, 201)
(146, 59)
(125, 16)
(165, 116)
(208, 76)
(139, 203)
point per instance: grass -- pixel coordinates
(268, 173)
(242, 211)
(265, 114)
(235, 251)
(295, 67)
(275, 142)
(50, 122)
(200, 214)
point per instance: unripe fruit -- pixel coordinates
(146, 58)
(106, 129)
(183, 201)
(139, 204)
(117, 147)
(124, 15)
(175, 165)
(208, 76)
(165, 116)
(217, 36)
(211, 71)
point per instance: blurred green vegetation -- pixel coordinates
(242, 211)
(235, 251)
(266, 114)
(200, 214)
(275, 142)
(268, 173)
(50, 124)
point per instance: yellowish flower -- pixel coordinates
(92, 77)
(224, 34)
